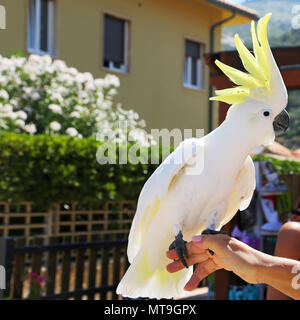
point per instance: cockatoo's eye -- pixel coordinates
(267, 113)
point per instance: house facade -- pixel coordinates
(155, 47)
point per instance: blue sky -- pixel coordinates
(237, 1)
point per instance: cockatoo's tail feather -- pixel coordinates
(142, 281)
(257, 82)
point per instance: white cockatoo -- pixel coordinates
(204, 182)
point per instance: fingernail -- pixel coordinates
(197, 238)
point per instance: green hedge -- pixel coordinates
(48, 169)
(281, 166)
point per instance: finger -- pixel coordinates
(201, 272)
(212, 242)
(192, 248)
(177, 265)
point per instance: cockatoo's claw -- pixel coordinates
(209, 231)
(180, 246)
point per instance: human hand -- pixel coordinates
(229, 254)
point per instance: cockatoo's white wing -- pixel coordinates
(155, 190)
(243, 190)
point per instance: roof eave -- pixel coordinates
(237, 8)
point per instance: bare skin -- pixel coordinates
(287, 246)
(230, 254)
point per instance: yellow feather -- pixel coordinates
(231, 99)
(238, 77)
(262, 30)
(260, 55)
(259, 77)
(229, 91)
(249, 61)
(235, 95)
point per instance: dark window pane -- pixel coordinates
(31, 24)
(44, 25)
(192, 49)
(114, 30)
(194, 72)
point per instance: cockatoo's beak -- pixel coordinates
(281, 123)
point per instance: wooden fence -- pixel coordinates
(64, 220)
(72, 270)
(77, 271)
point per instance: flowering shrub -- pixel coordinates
(41, 95)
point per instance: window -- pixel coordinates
(115, 54)
(41, 26)
(193, 66)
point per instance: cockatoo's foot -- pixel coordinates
(209, 231)
(180, 246)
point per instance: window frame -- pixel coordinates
(127, 27)
(200, 66)
(36, 36)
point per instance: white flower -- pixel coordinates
(22, 115)
(80, 78)
(111, 80)
(99, 83)
(11, 115)
(35, 96)
(72, 132)
(88, 76)
(55, 126)
(20, 123)
(55, 108)
(142, 123)
(14, 102)
(60, 65)
(4, 95)
(7, 108)
(75, 114)
(79, 108)
(57, 96)
(113, 92)
(30, 128)
(72, 71)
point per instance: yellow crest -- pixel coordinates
(256, 82)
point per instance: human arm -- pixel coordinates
(251, 265)
(287, 246)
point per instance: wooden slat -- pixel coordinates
(23, 215)
(66, 264)
(104, 271)
(19, 271)
(79, 270)
(92, 271)
(51, 269)
(37, 257)
(116, 269)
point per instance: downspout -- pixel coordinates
(212, 49)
